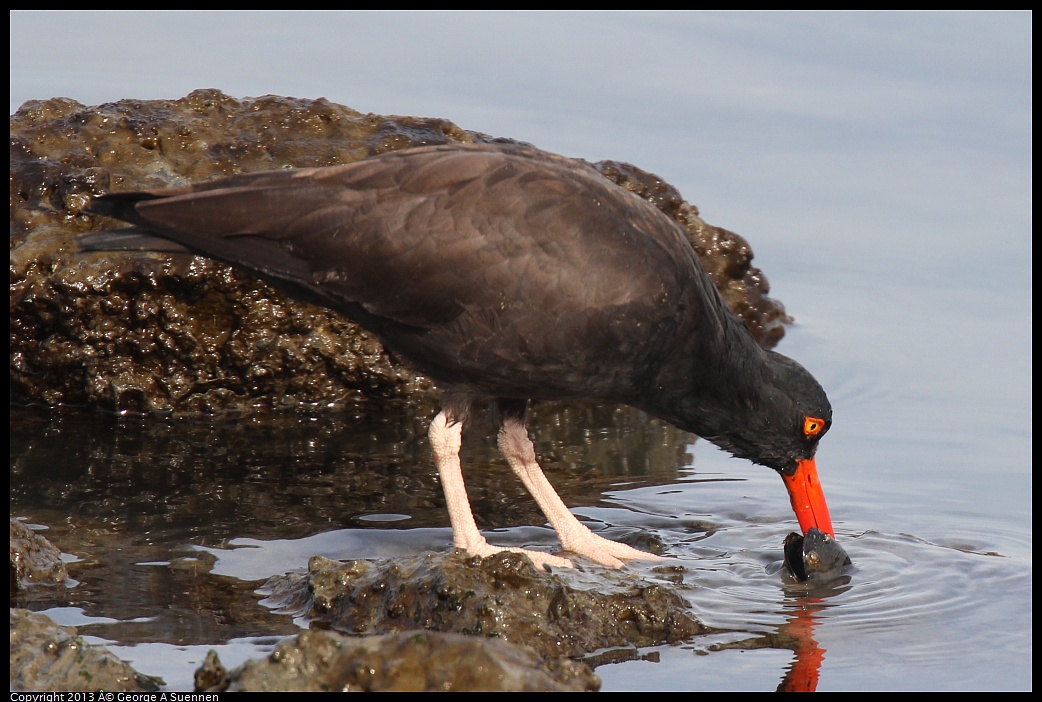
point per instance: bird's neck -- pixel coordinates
(707, 399)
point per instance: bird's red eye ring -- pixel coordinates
(812, 426)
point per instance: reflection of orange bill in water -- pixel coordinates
(815, 553)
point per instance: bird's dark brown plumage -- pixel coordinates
(505, 273)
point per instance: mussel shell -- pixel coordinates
(813, 554)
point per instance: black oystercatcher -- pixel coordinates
(510, 274)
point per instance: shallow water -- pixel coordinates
(189, 517)
(880, 165)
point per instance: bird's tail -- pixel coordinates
(134, 238)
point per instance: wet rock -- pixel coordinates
(34, 560)
(410, 661)
(153, 333)
(436, 622)
(564, 614)
(48, 657)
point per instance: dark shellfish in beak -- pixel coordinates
(814, 554)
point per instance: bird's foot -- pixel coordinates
(589, 545)
(604, 551)
(542, 561)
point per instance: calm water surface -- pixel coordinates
(879, 164)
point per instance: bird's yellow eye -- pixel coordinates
(812, 426)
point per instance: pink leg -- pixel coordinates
(446, 440)
(575, 537)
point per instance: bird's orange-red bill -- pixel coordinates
(808, 499)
